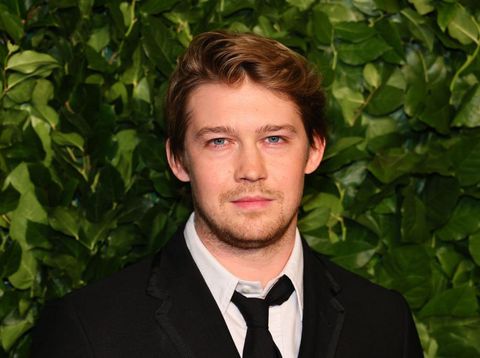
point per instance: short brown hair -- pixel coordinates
(223, 57)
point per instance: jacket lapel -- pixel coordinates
(323, 313)
(187, 311)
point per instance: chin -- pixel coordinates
(244, 235)
(250, 242)
(247, 230)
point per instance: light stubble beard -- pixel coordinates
(236, 235)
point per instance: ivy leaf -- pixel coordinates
(301, 4)
(353, 31)
(350, 101)
(406, 269)
(456, 302)
(436, 116)
(24, 277)
(10, 256)
(366, 6)
(96, 61)
(99, 38)
(458, 336)
(66, 220)
(469, 114)
(385, 100)
(43, 132)
(8, 199)
(464, 273)
(414, 213)
(419, 28)
(422, 6)
(392, 164)
(157, 45)
(85, 7)
(463, 26)
(11, 23)
(441, 195)
(153, 7)
(314, 219)
(13, 329)
(465, 157)
(322, 28)
(353, 255)
(446, 12)
(21, 91)
(127, 141)
(390, 32)
(48, 114)
(68, 139)
(449, 259)
(463, 221)
(474, 247)
(338, 12)
(362, 52)
(371, 75)
(388, 5)
(28, 62)
(142, 91)
(43, 92)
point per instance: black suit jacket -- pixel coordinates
(162, 307)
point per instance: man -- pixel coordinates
(244, 127)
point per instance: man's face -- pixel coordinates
(246, 154)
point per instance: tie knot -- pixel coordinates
(255, 310)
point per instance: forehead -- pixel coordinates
(239, 105)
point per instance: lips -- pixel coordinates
(252, 202)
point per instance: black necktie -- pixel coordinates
(259, 342)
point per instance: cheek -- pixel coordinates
(207, 178)
(290, 181)
(287, 171)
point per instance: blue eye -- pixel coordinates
(218, 141)
(273, 139)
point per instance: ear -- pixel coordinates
(177, 165)
(315, 154)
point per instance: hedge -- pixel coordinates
(85, 188)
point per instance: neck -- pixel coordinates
(262, 264)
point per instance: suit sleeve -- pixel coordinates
(60, 333)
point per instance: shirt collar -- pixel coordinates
(222, 283)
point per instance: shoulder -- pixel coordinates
(340, 280)
(364, 298)
(359, 297)
(111, 293)
(130, 281)
(376, 319)
(75, 325)
(355, 286)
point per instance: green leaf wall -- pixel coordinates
(85, 188)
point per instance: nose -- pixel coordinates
(250, 164)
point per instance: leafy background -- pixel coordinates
(84, 185)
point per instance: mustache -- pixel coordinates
(250, 190)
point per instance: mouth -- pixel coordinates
(252, 202)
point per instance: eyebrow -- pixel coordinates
(215, 130)
(230, 131)
(274, 128)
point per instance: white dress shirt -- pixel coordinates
(285, 321)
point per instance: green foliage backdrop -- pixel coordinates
(85, 189)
